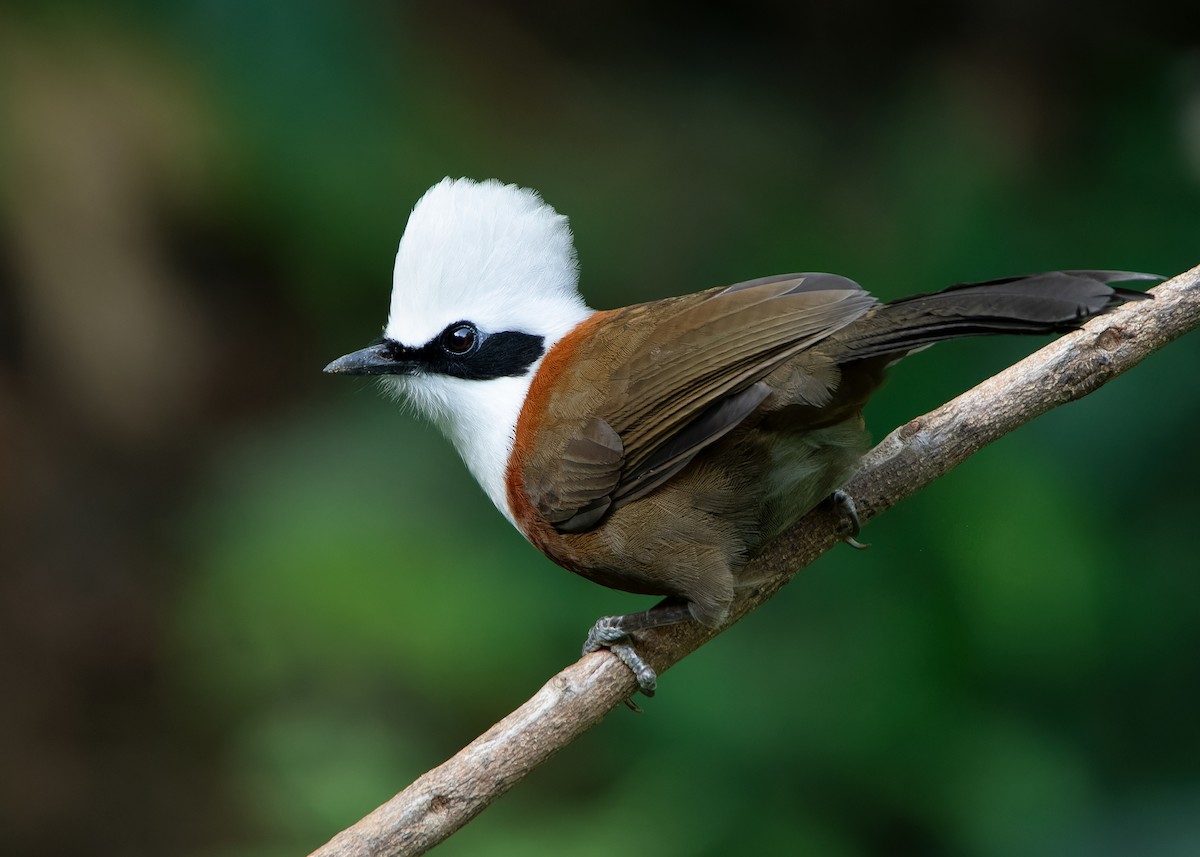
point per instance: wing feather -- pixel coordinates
(690, 380)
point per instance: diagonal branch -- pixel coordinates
(450, 795)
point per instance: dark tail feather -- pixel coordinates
(1039, 303)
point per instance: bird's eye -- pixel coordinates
(460, 338)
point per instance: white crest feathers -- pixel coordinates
(489, 252)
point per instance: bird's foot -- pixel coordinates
(845, 503)
(615, 633)
(610, 633)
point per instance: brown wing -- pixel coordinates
(690, 377)
(580, 492)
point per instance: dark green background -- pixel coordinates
(242, 603)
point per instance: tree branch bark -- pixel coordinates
(912, 456)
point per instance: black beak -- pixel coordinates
(372, 360)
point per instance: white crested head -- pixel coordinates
(493, 253)
(493, 264)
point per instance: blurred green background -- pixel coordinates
(244, 603)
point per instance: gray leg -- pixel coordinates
(614, 633)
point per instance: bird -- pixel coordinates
(655, 448)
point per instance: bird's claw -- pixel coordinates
(608, 633)
(846, 504)
(647, 679)
(604, 634)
